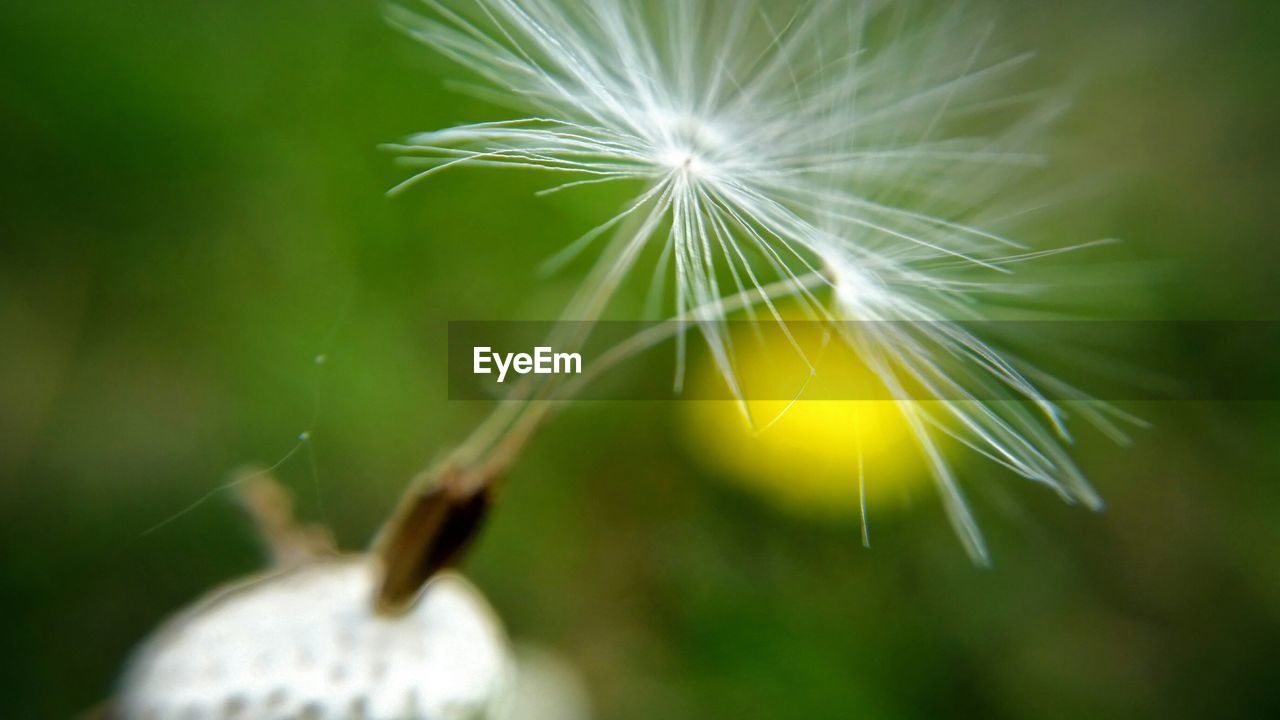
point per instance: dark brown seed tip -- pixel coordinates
(429, 534)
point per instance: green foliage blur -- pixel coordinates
(192, 209)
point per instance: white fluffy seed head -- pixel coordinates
(771, 143)
(305, 643)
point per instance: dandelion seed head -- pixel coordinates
(860, 143)
(307, 640)
(688, 144)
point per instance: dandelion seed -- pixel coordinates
(848, 142)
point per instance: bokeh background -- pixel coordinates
(192, 209)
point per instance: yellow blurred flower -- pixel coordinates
(806, 456)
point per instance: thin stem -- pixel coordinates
(533, 411)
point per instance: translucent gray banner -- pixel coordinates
(1230, 361)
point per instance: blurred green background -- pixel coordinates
(192, 209)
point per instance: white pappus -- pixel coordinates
(851, 153)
